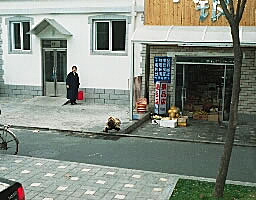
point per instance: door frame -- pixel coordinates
(55, 63)
(183, 92)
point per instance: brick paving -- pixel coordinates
(199, 131)
(48, 112)
(45, 179)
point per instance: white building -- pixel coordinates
(40, 40)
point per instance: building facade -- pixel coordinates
(41, 40)
(196, 37)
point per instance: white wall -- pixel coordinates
(96, 71)
(31, 4)
(21, 69)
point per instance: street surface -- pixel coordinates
(184, 158)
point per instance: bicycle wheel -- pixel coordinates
(9, 144)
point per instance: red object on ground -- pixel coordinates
(141, 108)
(80, 95)
(141, 105)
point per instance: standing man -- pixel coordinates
(72, 83)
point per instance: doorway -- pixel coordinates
(54, 70)
(204, 84)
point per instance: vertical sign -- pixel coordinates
(162, 69)
(157, 97)
(160, 98)
(163, 98)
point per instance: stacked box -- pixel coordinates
(214, 117)
(183, 121)
(168, 123)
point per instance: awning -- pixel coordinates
(50, 22)
(214, 36)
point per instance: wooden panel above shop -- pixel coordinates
(185, 13)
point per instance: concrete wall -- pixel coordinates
(247, 103)
(106, 96)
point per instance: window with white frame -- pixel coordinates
(19, 36)
(110, 35)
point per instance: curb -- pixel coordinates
(251, 184)
(125, 133)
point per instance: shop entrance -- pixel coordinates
(54, 68)
(204, 84)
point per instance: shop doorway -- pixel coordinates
(204, 84)
(54, 68)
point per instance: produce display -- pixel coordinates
(174, 118)
(174, 112)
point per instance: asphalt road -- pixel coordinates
(144, 154)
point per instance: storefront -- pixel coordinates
(201, 69)
(204, 84)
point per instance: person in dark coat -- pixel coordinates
(72, 83)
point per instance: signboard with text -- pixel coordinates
(162, 69)
(160, 98)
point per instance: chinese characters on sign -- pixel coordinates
(162, 69)
(160, 98)
(203, 6)
(217, 11)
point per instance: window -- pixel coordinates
(110, 35)
(19, 36)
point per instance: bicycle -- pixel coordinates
(9, 143)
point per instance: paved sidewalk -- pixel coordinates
(48, 112)
(199, 131)
(45, 179)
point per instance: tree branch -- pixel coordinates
(237, 11)
(232, 10)
(229, 15)
(241, 11)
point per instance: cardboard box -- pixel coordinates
(168, 123)
(182, 121)
(197, 107)
(213, 117)
(200, 117)
(182, 124)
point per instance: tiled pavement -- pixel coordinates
(199, 131)
(50, 179)
(48, 113)
(45, 179)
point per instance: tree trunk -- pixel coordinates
(225, 159)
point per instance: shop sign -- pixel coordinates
(203, 7)
(162, 69)
(160, 97)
